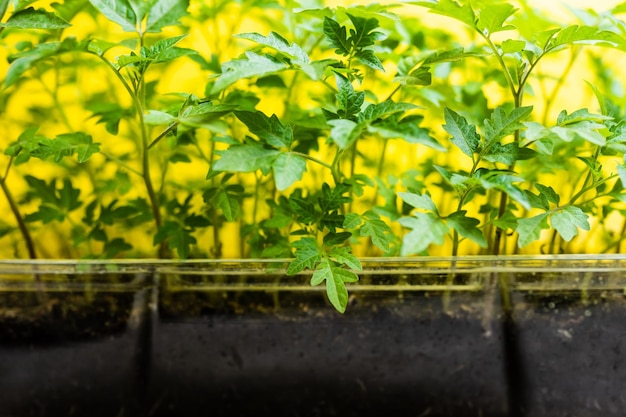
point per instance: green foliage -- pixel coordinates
(328, 135)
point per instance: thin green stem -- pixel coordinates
(121, 163)
(145, 160)
(163, 134)
(15, 210)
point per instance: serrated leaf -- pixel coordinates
(502, 124)
(178, 238)
(279, 43)
(288, 169)
(568, 220)
(583, 35)
(253, 65)
(385, 109)
(368, 58)
(504, 181)
(228, 204)
(363, 34)
(307, 255)
(337, 36)
(332, 239)
(529, 229)
(419, 76)
(343, 256)
(349, 101)
(30, 18)
(507, 154)
(407, 129)
(45, 214)
(204, 114)
(352, 221)
(549, 193)
(426, 229)
(450, 8)
(269, 129)
(114, 247)
(335, 278)
(493, 16)
(464, 135)
(164, 13)
(246, 158)
(419, 201)
(378, 231)
(118, 11)
(467, 227)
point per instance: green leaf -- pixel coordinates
(463, 134)
(512, 46)
(30, 18)
(56, 202)
(568, 220)
(583, 35)
(335, 278)
(368, 58)
(621, 170)
(156, 117)
(343, 256)
(343, 132)
(288, 169)
(204, 114)
(108, 113)
(229, 205)
(177, 236)
(164, 13)
(268, 129)
(407, 129)
(25, 60)
(502, 124)
(529, 229)
(450, 8)
(118, 11)
(253, 65)
(349, 101)
(246, 158)
(419, 201)
(307, 255)
(277, 42)
(363, 34)
(467, 227)
(337, 36)
(45, 214)
(377, 230)
(332, 239)
(419, 76)
(114, 247)
(504, 181)
(508, 154)
(549, 193)
(352, 221)
(381, 110)
(165, 50)
(426, 229)
(493, 16)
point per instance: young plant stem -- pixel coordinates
(144, 150)
(15, 210)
